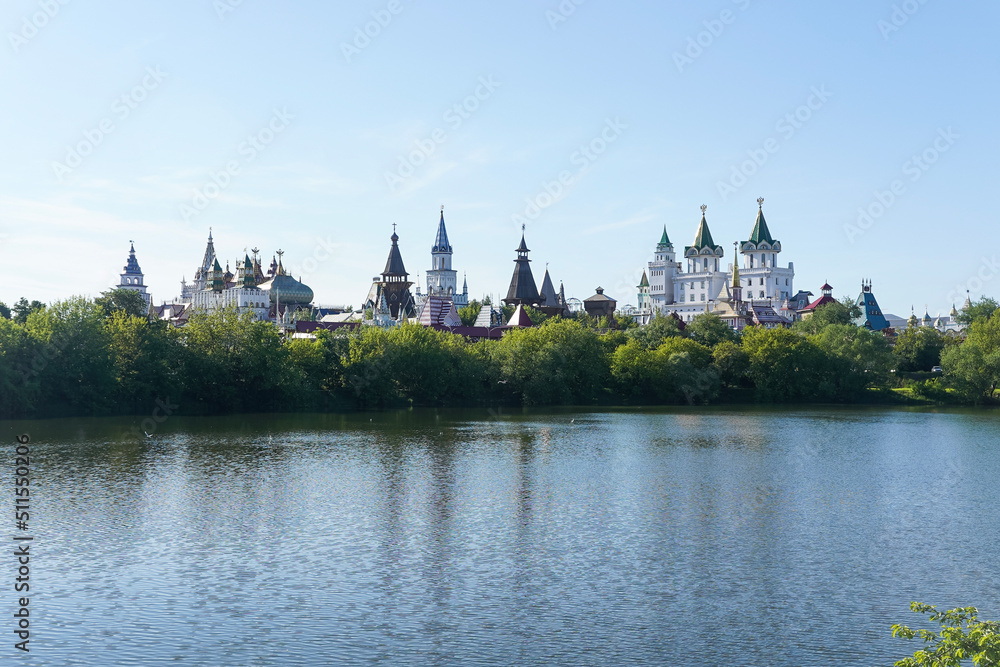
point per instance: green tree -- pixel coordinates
(468, 314)
(731, 362)
(858, 358)
(962, 637)
(234, 362)
(918, 349)
(981, 309)
(410, 363)
(23, 308)
(709, 329)
(4, 311)
(145, 358)
(679, 370)
(682, 372)
(537, 316)
(659, 329)
(973, 367)
(632, 370)
(785, 365)
(75, 372)
(844, 311)
(21, 357)
(559, 362)
(127, 301)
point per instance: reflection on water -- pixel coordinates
(714, 537)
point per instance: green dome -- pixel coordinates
(288, 290)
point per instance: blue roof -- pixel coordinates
(441, 240)
(871, 315)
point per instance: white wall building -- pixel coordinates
(697, 287)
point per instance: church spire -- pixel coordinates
(664, 240)
(704, 236)
(522, 288)
(736, 268)
(760, 231)
(441, 244)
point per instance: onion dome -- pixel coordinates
(282, 288)
(287, 290)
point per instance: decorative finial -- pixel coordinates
(442, 208)
(704, 208)
(394, 228)
(280, 253)
(760, 202)
(522, 227)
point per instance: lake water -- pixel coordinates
(669, 537)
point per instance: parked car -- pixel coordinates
(937, 369)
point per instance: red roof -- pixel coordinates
(822, 301)
(826, 286)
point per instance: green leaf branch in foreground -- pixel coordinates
(963, 637)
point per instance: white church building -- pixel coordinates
(695, 284)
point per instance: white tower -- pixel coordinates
(662, 271)
(442, 280)
(764, 279)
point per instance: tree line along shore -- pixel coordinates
(104, 356)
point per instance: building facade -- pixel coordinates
(702, 282)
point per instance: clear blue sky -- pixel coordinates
(679, 129)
